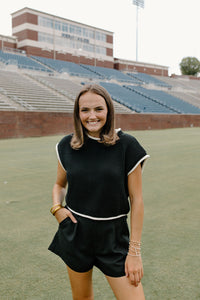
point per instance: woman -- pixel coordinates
(102, 168)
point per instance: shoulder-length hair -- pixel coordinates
(108, 135)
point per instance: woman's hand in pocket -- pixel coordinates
(64, 213)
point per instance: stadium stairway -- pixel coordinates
(63, 86)
(32, 95)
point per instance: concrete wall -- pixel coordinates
(30, 124)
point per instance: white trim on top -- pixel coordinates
(139, 162)
(93, 138)
(58, 156)
(98, 139)
(96, 218)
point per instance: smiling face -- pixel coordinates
(93, 113)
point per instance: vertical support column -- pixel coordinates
(137, 11)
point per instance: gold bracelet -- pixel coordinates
(55, 205)
(55, 208)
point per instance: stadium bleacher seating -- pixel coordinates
(21, 61)
(49, 88)
(66, 66)
(148, 79)
(170, 101)
(4, 103)
(185, 89)
(29, 95)
(71, 89)
(107, 73)
(135, 101)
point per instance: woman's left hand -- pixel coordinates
(134, 269)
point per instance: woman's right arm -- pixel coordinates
(58, 195)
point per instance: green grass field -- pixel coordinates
(171, 239)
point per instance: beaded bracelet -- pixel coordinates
(134, 248)
(139, 254)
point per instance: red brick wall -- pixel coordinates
(109, 39)
(27, 124)
(27, 34)
(142, 69)
(24, 18)
(66, 57)
(7, 44)
(109, 52)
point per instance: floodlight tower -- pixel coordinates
(139, 4)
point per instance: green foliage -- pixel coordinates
(190, 66)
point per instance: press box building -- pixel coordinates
(43, 34)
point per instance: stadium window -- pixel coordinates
(97, 35)
(57, 25)
(72, 44)
(45, 22)
(72, 29)
(103, 37)
(100, 36)
(100, 50)
(49, 39)
(79, 45)
(88, 47)
(65, 27)
(86, 41)
(44, 37)
(78, 30)
(91, 34)
(85, 32)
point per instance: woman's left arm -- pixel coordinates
(133, 264)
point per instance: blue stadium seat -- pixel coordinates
(135, 101)
(148, 79)
(107, 73)
(170, 101)
(21, 61)
(66, 66)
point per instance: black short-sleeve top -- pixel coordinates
(97, 175)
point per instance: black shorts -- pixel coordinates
(89, 243)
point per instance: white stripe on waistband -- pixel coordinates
(96, 218)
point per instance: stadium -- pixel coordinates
(48, 58)
(43, 65)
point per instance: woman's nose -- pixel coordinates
(92, 114)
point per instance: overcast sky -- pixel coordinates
(168, 29)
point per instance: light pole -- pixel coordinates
(138, 4)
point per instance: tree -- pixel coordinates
(190, 66)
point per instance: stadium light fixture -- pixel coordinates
(138, 4)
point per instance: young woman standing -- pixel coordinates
(102, 168)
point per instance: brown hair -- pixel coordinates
(108, 135)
